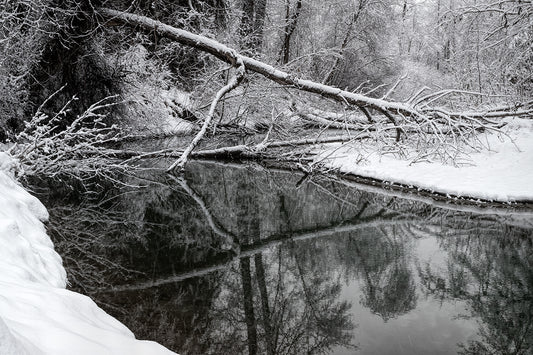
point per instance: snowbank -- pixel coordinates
(37, 314)
(504, 173)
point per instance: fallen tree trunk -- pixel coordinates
(319, 121)
(348, 116)
(391, 109)
(237, 151)
(227, 54)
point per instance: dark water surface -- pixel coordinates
(238, 259)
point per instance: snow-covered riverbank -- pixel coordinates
(504, 173)
(37, 314)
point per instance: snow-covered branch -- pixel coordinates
(47, 147)
(226, 54)
(232, 84)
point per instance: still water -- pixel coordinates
(233, 259)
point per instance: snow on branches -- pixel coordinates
(49, 147)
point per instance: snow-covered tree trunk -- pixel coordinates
(232, 84)
(226, 54)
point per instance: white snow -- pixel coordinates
(504, 173)
(37, 314)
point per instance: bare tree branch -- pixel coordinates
(232, 84)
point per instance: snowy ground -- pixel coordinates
(37, 314)
(504, 173)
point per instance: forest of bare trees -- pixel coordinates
(426, 74)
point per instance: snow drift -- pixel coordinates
(37, 314)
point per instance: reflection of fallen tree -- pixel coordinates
(230, 240)
(261, 246)
(389, 214)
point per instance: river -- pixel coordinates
(238, 259)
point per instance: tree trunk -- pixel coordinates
(220, 13)
(248, 302)
(353, 20)
(252, 22)
(246, 28)
(265, 308)
(228, 55)
(290, 26)
(259, 22)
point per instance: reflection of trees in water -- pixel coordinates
(278, 291)
(329, 322)
(107, 239)
(491, 267)
(176, 315)
(91, 258)
(288, 308)
(288, 305)
(393, 295)
(380, 257)
(258, 303)
(281, 299)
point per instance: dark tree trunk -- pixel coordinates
(259, 22)
(265, 308)
(252, 23)
(220, 13)
(246, 28)
(328, 79)
(290, 25)
(68, 60)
